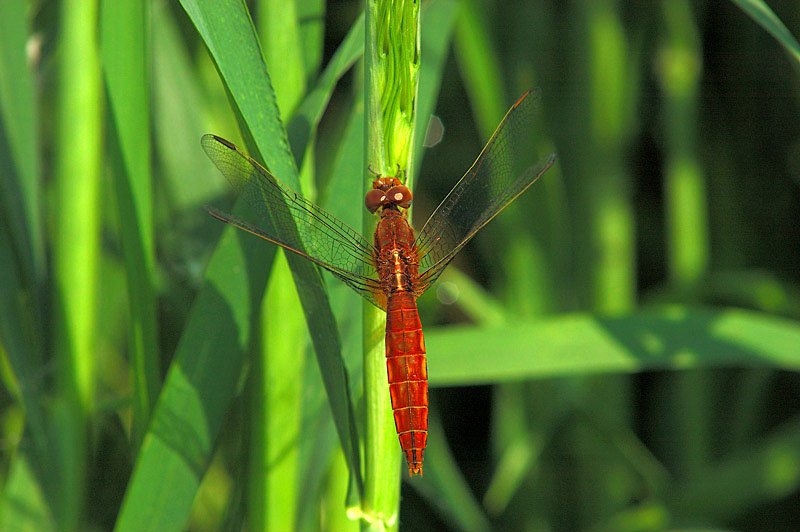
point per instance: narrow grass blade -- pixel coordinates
(22, 504)
(209, 359)
(198, 389)
(676, 338)
(276, 377)
(311, 22)
(276, 407)
(438, 21)
(123, 38)
(480, 69)
(278, 28)
(304, 122)
(19, 145)
(445, 487)
(228, 33)
(766, 18)
(188, 181)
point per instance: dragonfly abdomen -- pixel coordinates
(408, 376)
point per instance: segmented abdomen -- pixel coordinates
(408, 376)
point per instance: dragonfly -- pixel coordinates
(396, 266)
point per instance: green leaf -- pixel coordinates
(444, 486)
(210, 357)
(122, 46)
(190, 181)
(198, 389)
(766, 18)
(22, 506)
(675, 338)
(19, 145)
(742, 481)
(305, 121)
(437, 25)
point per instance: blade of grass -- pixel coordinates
(228, 33)
(765, 17)
(198, 388)
(209, 359)
(477, 60)
(22, 505)
(275, 380)
(679, 70)
(177, 124)
(277, 374)
(685, 404)
(123, 38)
(438, 23)
(303, 124)
(445, 487)
(278, 28)
(311, 24)
(341, 193)
(19, 142)
(672, 338)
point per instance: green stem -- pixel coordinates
(76, 249)
(391, 82)
(687, 219)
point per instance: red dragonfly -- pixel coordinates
(395, 268)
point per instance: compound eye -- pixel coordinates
(400, 196)
(375, 198)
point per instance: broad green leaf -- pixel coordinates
(675, 338)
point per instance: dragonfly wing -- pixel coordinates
(501, 173)
(293, 222)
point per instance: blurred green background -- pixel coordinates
(617, 351)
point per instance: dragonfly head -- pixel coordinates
(388, 192)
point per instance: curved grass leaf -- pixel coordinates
(228, 33)
(210, 357)
(766, 18)
(675, 338)
(304, 122)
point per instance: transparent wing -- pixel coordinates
(293, 222)
(502, 172)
